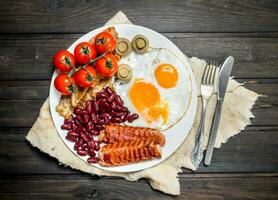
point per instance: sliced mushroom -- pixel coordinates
(123, 47)
(140, 44)
(124, 72)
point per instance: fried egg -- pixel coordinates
(159, 90)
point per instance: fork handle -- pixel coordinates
(213, 132)
(197, 152)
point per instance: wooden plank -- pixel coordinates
(29, 57)
(224, 186)
(33, 90)
(30, 16)
(254, 150)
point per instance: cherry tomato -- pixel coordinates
(84, 52)
(85, 77)
(107, 66)
(64, 60)
(105, 42)
(64, 84)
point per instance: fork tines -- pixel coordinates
(209, 73)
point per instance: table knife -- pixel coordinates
(224, 76)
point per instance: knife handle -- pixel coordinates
(213, 132)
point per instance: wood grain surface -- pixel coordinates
(246, 167)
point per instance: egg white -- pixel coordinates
(143, 66)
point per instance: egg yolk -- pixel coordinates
(146, 99)
(166, 75)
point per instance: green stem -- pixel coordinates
(94, 60)
(74, 69)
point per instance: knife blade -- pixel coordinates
(224, 76)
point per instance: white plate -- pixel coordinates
(174, 136)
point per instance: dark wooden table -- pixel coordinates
(32, 31)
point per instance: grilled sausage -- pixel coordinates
(123, 153)
(119, 133)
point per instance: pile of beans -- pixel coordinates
(84, 124)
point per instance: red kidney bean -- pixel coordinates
(116, 120)
(88, 107)
(95, 106)
(84, 146)
(79, 119)
(102, 101)
(92, 160)
(91, 152)
(77, 111)
(107, 120)
(74, 127)
(95, 132)
(103, 107)
(101, 95)
(121, 109)
(113, 105)
(103, 115)
(81, 152)
(97, 146)
(72, 134)
(109, 91)
(70, 138)
(111, 98)
(100, 121)
(76, 146)
(66, 127)
(117, 114)
(76, 121)
(86, 118)
(84, 136)
(94, 118)
(84, 112)
(125, 116)
(89, 135)
(68, 121)
(132, 117)
(90, 126)
(79, 129)
(118, 100)
(91, 144)
(98, 127)
(106, 104)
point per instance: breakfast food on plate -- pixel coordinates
(122, 153)
(140, 44)
(107, 66)
(84, 52)
(105, 42)
(124, 72)
(86, 122)
(65, 84)
(104, 84)
(64, 107)
(119, 133)
(64, 60)
(123, 47)
(157, 91)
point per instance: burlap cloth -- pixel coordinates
(236, 115)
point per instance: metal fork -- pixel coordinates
(206, 92)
